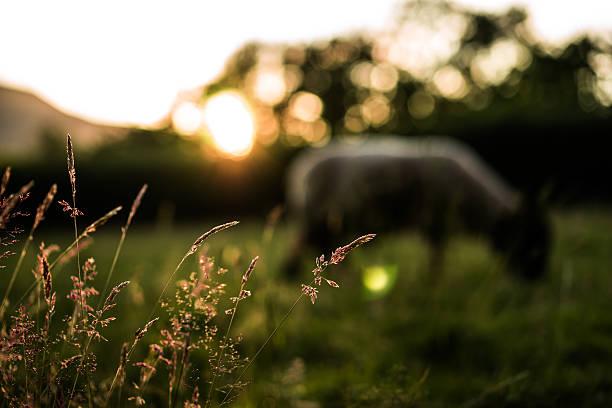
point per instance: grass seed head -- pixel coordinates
(5, 179)
(339, 254)
(46, 275)
(249, 270)
(102, 220)
(214, 230)
(141, 332)
(135, 205)
(44, 206)
(70, 161)
(11, 202)
(109, 300)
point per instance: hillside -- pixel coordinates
(26, 120)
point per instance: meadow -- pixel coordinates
(387, 337)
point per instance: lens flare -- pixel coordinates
(187, 118)
(230, 122)
(378, 280)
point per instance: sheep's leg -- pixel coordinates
(436, 262)
(436, 233)
(292, 264)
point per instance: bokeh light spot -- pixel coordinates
(230, 122)
(384, 77)
(376, 110)
(269, 86)
(378, 280)
(491, 66)
(187, 118)
(450, 82)
(601, 64)
(306, 106)
(421, 104)
(353, 121)
(360, 74)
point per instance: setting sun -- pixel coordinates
(229, 120)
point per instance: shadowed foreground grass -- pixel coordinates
(480, 337)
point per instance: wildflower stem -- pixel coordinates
(179, 378)
(112, 268)
(80, 305)
(191, 251)
(72, 176)
(76, 377)
(135, 206)
(222, 348)
(238, 298)
(119, 395)
(159, 298)
(251, 360)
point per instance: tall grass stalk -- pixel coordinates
(75, 213)
(264, 344)
(336, 257)
(124, 229)
(89, 230)
(108, 304)
(194, 247)
(190, 252)
(242, 294)
(40, 213)
(184, 361)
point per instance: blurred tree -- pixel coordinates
(441, 69)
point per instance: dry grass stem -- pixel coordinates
(191, 251)
(141, 332)
(114, 292)
(125, 358)
(40, 215)
(214, 230)
(242, 294)
(249, 271)
(46, 276)
(339, 254)
(11, 202)
(308, 290)
(101, 221)
(70, 161)
(70, 251)
(135, 205)
(75, 213)
(124, 229)
(44, 206)
(5, 179)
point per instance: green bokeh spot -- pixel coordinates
(378, 280)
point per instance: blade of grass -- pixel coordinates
(124, 229)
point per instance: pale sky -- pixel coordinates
(123, 62)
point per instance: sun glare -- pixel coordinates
(230, 122)
(187, 118)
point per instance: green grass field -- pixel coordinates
(387, 337)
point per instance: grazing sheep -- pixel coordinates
(436, 185)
